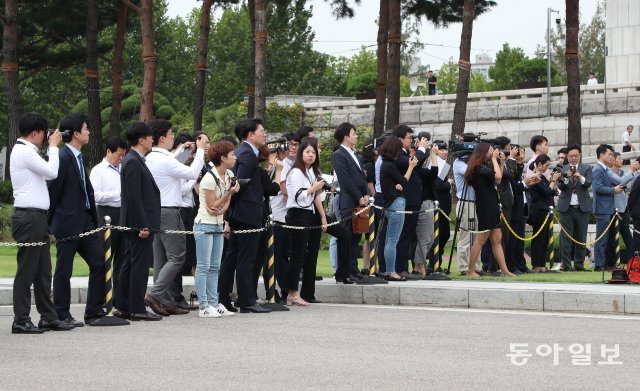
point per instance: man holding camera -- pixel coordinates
(169, 250)
(413, 194)
(29, 172)
(574, 205)
(72, 212)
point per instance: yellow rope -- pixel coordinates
(542, 227)
(587, 243)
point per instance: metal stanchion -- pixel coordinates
(109, 319)
(437, 253)
(270, 278)
(371, 279)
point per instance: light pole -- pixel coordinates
(549, 11)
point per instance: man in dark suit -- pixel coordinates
(603, 202)
(140, 209)
(633, 206)
(574, 205)
(72, 211)
(353, 192)
(413, 195)
(245, 212)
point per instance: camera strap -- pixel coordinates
(300, 192)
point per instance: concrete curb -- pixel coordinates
(548, 297)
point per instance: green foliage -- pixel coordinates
(279, 119)
(500, 72)
(530, 73)
(448, 77)
(477, 83)
(362, 83)
(6, 192)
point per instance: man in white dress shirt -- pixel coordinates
(105, 179)
(29, 173)
(627, 146)
(168, 249)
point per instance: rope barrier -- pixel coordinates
(525, 239)
(614, 217)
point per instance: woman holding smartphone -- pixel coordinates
(304, 186)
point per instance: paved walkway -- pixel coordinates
(529, 296)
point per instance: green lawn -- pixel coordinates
(8, 269)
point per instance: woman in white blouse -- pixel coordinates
(304, 204)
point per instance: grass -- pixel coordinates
(8, 269)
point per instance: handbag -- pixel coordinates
(360, 222)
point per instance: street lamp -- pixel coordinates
(549, 11)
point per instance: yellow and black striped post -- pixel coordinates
(551, 249)
(372, 244)
(437, 274)
(270, 277)
(617, 237)
(108, 320)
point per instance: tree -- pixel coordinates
(260, 58)
(251, 88)
(462, 90)
(145, 14)
(574, 131)
(116, 71)
(201, 68)
(10, 73)
(393, 71)
(531, 73)
(477, 83)
(93, 85)
(448, 77)
(381, 83)
(500, 72)
(591, 38)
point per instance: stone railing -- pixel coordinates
(481, 106)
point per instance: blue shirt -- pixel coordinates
(459, 169)
(255, 150)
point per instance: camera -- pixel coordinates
(66, 134)
(559, 169)
(242, 182)
(377, 142)
(281, 145)
(329, 186)
(440, 144)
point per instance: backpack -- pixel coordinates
(633, 268)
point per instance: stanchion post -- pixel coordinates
(617, 237)
(551, 249)
(270, 278)
(372, 241)
(437, 274)
(109, 319)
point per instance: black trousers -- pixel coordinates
(240, 258)
(347, 248)
(134, 275)
(34, 266)
(381, 233)
(261, 264)
(90, 249)
(515, 247)
(626, 148)
(117, 244)
(281, 257)
(407, 237)
(539, 245)
(304, 246)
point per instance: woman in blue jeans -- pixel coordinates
(215, 193)
(392, 184)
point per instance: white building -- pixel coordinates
(482, 64)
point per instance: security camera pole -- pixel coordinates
(549, 11)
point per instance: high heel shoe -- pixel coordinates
(297, 300)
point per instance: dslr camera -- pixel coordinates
(66, 135)
(281, 144)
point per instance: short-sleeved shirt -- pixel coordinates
(625, 138)
(211, 181)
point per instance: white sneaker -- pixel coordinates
(222, 310)
(208, 312)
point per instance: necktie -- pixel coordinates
(84, 184)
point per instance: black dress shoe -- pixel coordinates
(147, 316)
(56, 325)
(121, 314)
(186, 306)
(72, 322)
(256, 309)
(88, 319)
(312, 301)
(598, 269)
(25, 328)
(357, 276)
(230, 307)
(345, 281)
(579, 268)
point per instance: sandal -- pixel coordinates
(297, 300)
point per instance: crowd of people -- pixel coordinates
(227, 191)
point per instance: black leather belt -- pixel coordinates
(43, 211)
(170, 207)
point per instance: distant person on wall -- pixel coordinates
(592, 81)
(432, 81)
(627, 146)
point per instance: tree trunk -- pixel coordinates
(393, 89)
(145, 14)
(251, 88)
(10, 74)
(116, 73)
(464, 70)
(261, 54)
(574, 131)
(201, 69)
(381, 84)
(95, 152)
